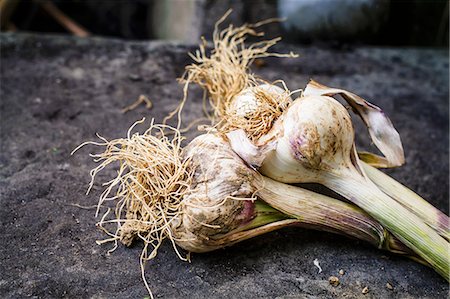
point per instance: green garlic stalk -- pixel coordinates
(412, 201)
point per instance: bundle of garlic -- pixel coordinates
(311, 140)
(231, 184)
(162, 191)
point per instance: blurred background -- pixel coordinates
(334, 22)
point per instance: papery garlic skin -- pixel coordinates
(208, 212)
(246, 102)
(323, 146)
(316, 135)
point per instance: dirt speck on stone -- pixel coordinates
(365, 290)
(334, 281)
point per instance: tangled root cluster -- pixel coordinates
(225, 73)
(259, 119)
(148, 190)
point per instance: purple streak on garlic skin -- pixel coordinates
(296, 144)
(303, 149)
(248, 212)
(443, 219)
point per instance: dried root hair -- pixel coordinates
(147, 192)
(225, 73)
(258, 120)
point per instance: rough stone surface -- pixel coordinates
(58, 91)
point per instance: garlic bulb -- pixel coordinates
(210, 210)
(315, 143)
(305, 149)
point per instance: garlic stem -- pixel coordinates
(403, 224)
(328, 214)
(416, 204)
(236, 237)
